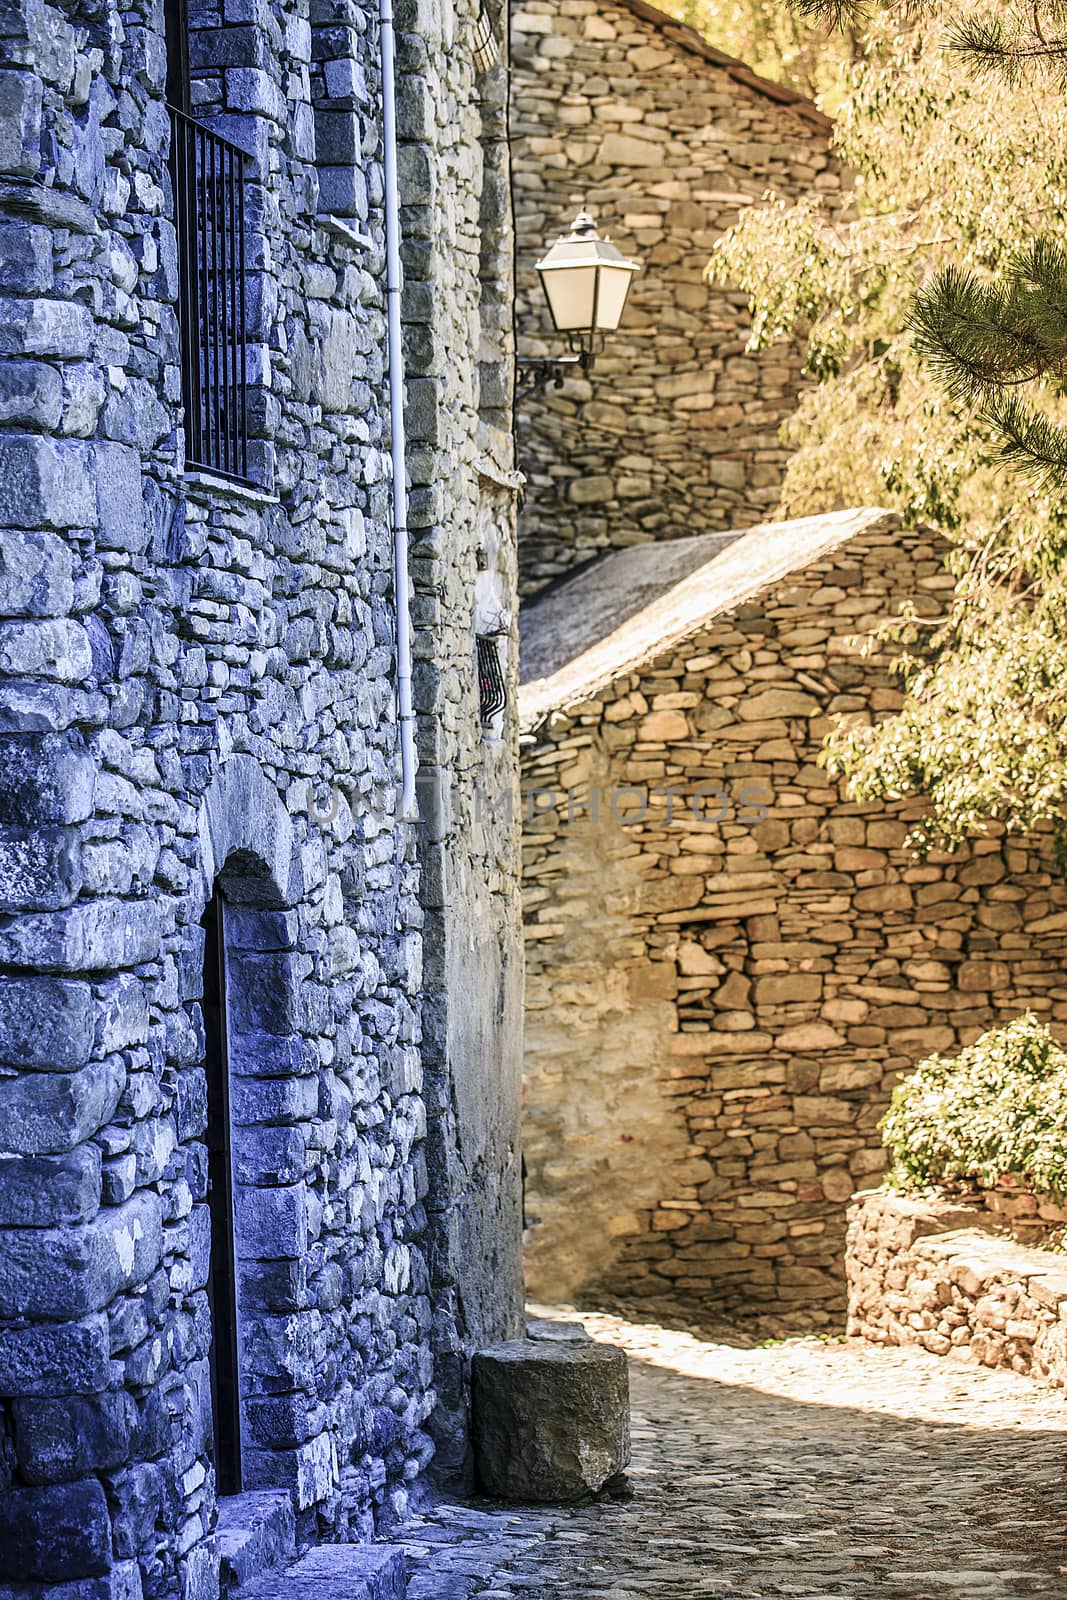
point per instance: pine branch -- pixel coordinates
(845, 13)
(1005, 45)
(839, 13)
(1012, 42)
(1042, 269)
(979, 337)
(1034, 446)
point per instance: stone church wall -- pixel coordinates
(725, 981)
(675, 431)
(196, 694)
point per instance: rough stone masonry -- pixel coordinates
(730, 962)
(929, 1270)
(206, 893)
(667, 141)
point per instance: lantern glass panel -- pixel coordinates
(614, 287)
(570, 292)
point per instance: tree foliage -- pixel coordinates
(935, 323)
(775, 41)
(997, 1109)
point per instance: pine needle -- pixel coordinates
(979, 337)
(1035, 447)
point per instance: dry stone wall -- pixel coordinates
(730, 963)
(675, 432)
(927, 1271)
(197, 693)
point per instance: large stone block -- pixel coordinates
(98, 935)
(121, 499)
(198, 1574)
(57, 1533)
(256, 1533)
(45, 1023)
(551, 1419)
(67, 1272)
(40, 869)
(49, 778)
(277, 1352)
(337, 137)
(358, 1572)
(56, 647)
(36, 574)
(20, 123)
(619, 150)
(25, 258)
(32, 705)
(423, 409)
(57, 1441)
(122, 1017)
(309, 1471)
(48, 1112)
(55, 1358)
(61, 329)
(45, 482)
(135, 1498)
(270, 1055)
(271, 1223)
(46, 1191)
(265, 991)
(361, 1571)
(31, 394)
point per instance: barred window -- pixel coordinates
(486, 50)
(492, 690)
(208, 174)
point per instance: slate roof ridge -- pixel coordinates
(738, 567)
(681, 33)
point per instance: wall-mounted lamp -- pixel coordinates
(586, 280)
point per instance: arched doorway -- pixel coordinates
(257, 1096)
(222, 1280)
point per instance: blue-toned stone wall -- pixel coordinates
(196, 691)
(454, 126)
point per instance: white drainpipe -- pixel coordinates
(398, 446)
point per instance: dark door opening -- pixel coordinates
(222, 1281)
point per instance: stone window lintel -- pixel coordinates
(207, 486)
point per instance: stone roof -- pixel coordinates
(689, 39)
(618, 613)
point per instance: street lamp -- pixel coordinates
(586, 280)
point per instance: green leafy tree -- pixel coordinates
(807, 54)
(936, 328)
(989, 341)
(996, 1110)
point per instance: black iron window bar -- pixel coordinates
(208, 173)
(492, 690)
(486, 50)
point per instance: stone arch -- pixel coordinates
(244, 827)
(247, 859)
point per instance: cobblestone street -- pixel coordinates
(807, 1469)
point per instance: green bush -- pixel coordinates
(997, 1109)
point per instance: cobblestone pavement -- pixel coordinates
(806, 1469)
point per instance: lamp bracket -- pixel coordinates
(533, 373)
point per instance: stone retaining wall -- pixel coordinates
(675, 432)
(927, 1271)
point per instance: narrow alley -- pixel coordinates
(807, 1469)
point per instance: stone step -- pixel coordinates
(257, 1535)
(338, 1572)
